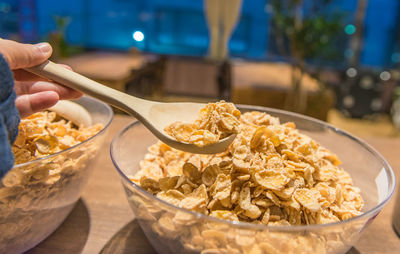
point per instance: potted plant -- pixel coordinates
(306, 33)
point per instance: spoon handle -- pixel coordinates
(90, 87)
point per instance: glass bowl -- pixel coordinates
(36, 197)
(175, 230)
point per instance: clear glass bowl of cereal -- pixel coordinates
(203, 204)
(36, 196)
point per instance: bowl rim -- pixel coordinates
(369, 213)
(110, 114)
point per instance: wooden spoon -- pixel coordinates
(154, 115)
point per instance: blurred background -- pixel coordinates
(336, 60)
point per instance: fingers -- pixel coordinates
(28, 104)
(40, 95)
(20, 55)
(23, 75)
(28, 87)
(66, 66)
(34, 93)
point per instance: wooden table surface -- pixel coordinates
(113, 66)
(102, 221)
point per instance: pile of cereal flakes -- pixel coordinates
(271, 174)
(216, 121)
(38, 195)
(44, 133)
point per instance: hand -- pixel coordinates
(34, 93)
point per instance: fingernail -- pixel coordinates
(44, 47)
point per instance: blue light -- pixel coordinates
(348, 53)
(396, 57)
(350, 29)
(138, 36)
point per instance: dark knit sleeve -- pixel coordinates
(9, 117)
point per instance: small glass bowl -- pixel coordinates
(36, 196)
(175, 230)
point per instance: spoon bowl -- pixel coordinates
(154, 115)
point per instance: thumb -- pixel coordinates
(20, 55)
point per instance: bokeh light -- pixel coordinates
(385, 75)
(350, 29)
(351, 72)
(348, 53)
(396, 57)
(138, 36)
